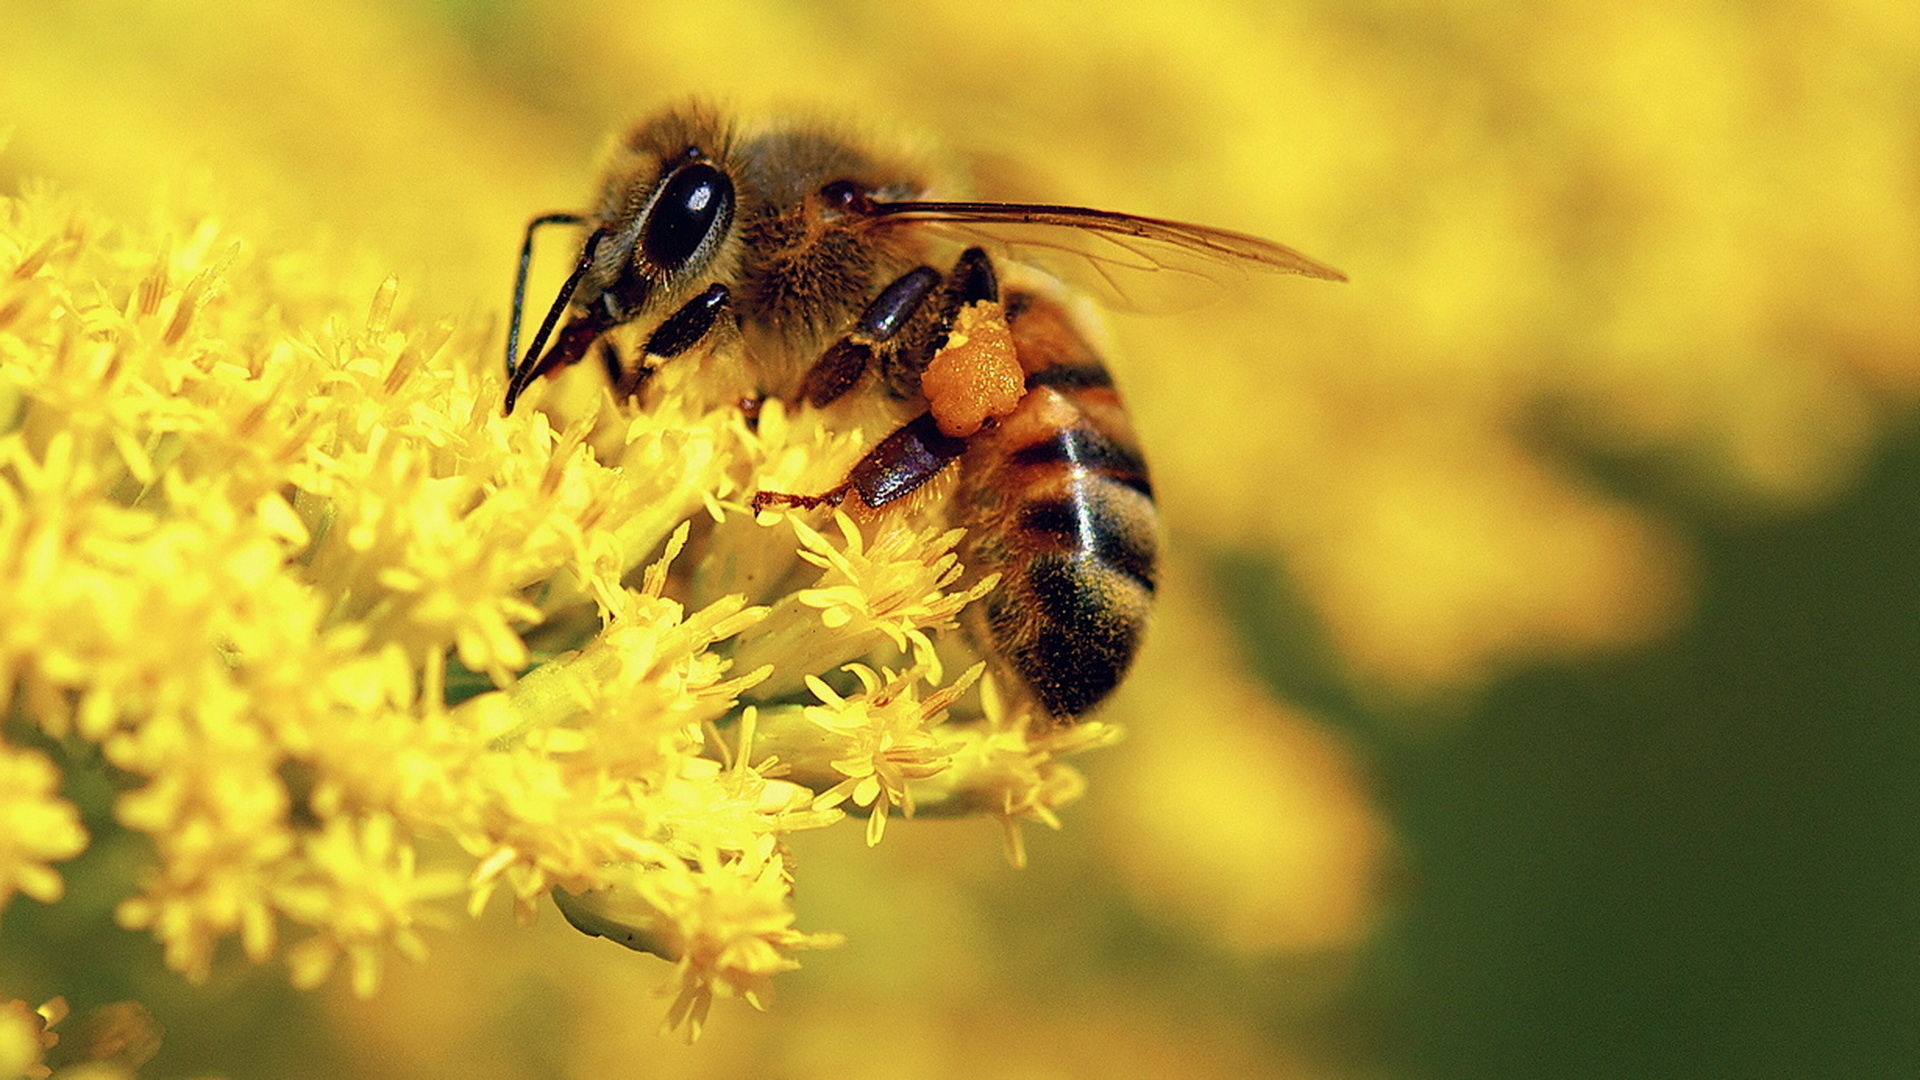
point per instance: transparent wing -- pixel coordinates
(1125, 260)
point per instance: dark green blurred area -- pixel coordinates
(1698, 860)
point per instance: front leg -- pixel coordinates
(686, 327)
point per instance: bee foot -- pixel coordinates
(766, 500)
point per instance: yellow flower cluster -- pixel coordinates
(108, 1043)
(36, 827)
(25, 1036)
(358, 643)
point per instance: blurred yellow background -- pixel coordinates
(1627, 279)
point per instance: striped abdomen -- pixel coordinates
(1059, 504)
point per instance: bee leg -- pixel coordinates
(616, 371)
(833, 496)
(918, 450)
(971, 282)
(686, 327)
(904, 460)
(841, 366)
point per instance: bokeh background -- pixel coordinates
(1534, 693)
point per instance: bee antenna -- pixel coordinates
(520, 278)
(522, 371)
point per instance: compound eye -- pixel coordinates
(693, 209)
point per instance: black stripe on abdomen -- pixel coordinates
(1089, 449)
(1071, 377)
(1099, 518)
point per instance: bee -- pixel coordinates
(819, 254)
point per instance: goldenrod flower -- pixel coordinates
(295, 574)
(107, 1043)
(37, 827)
(880, 740)
(26, 1034)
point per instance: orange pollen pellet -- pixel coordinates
(977, 376)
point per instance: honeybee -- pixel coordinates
(818, 254)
